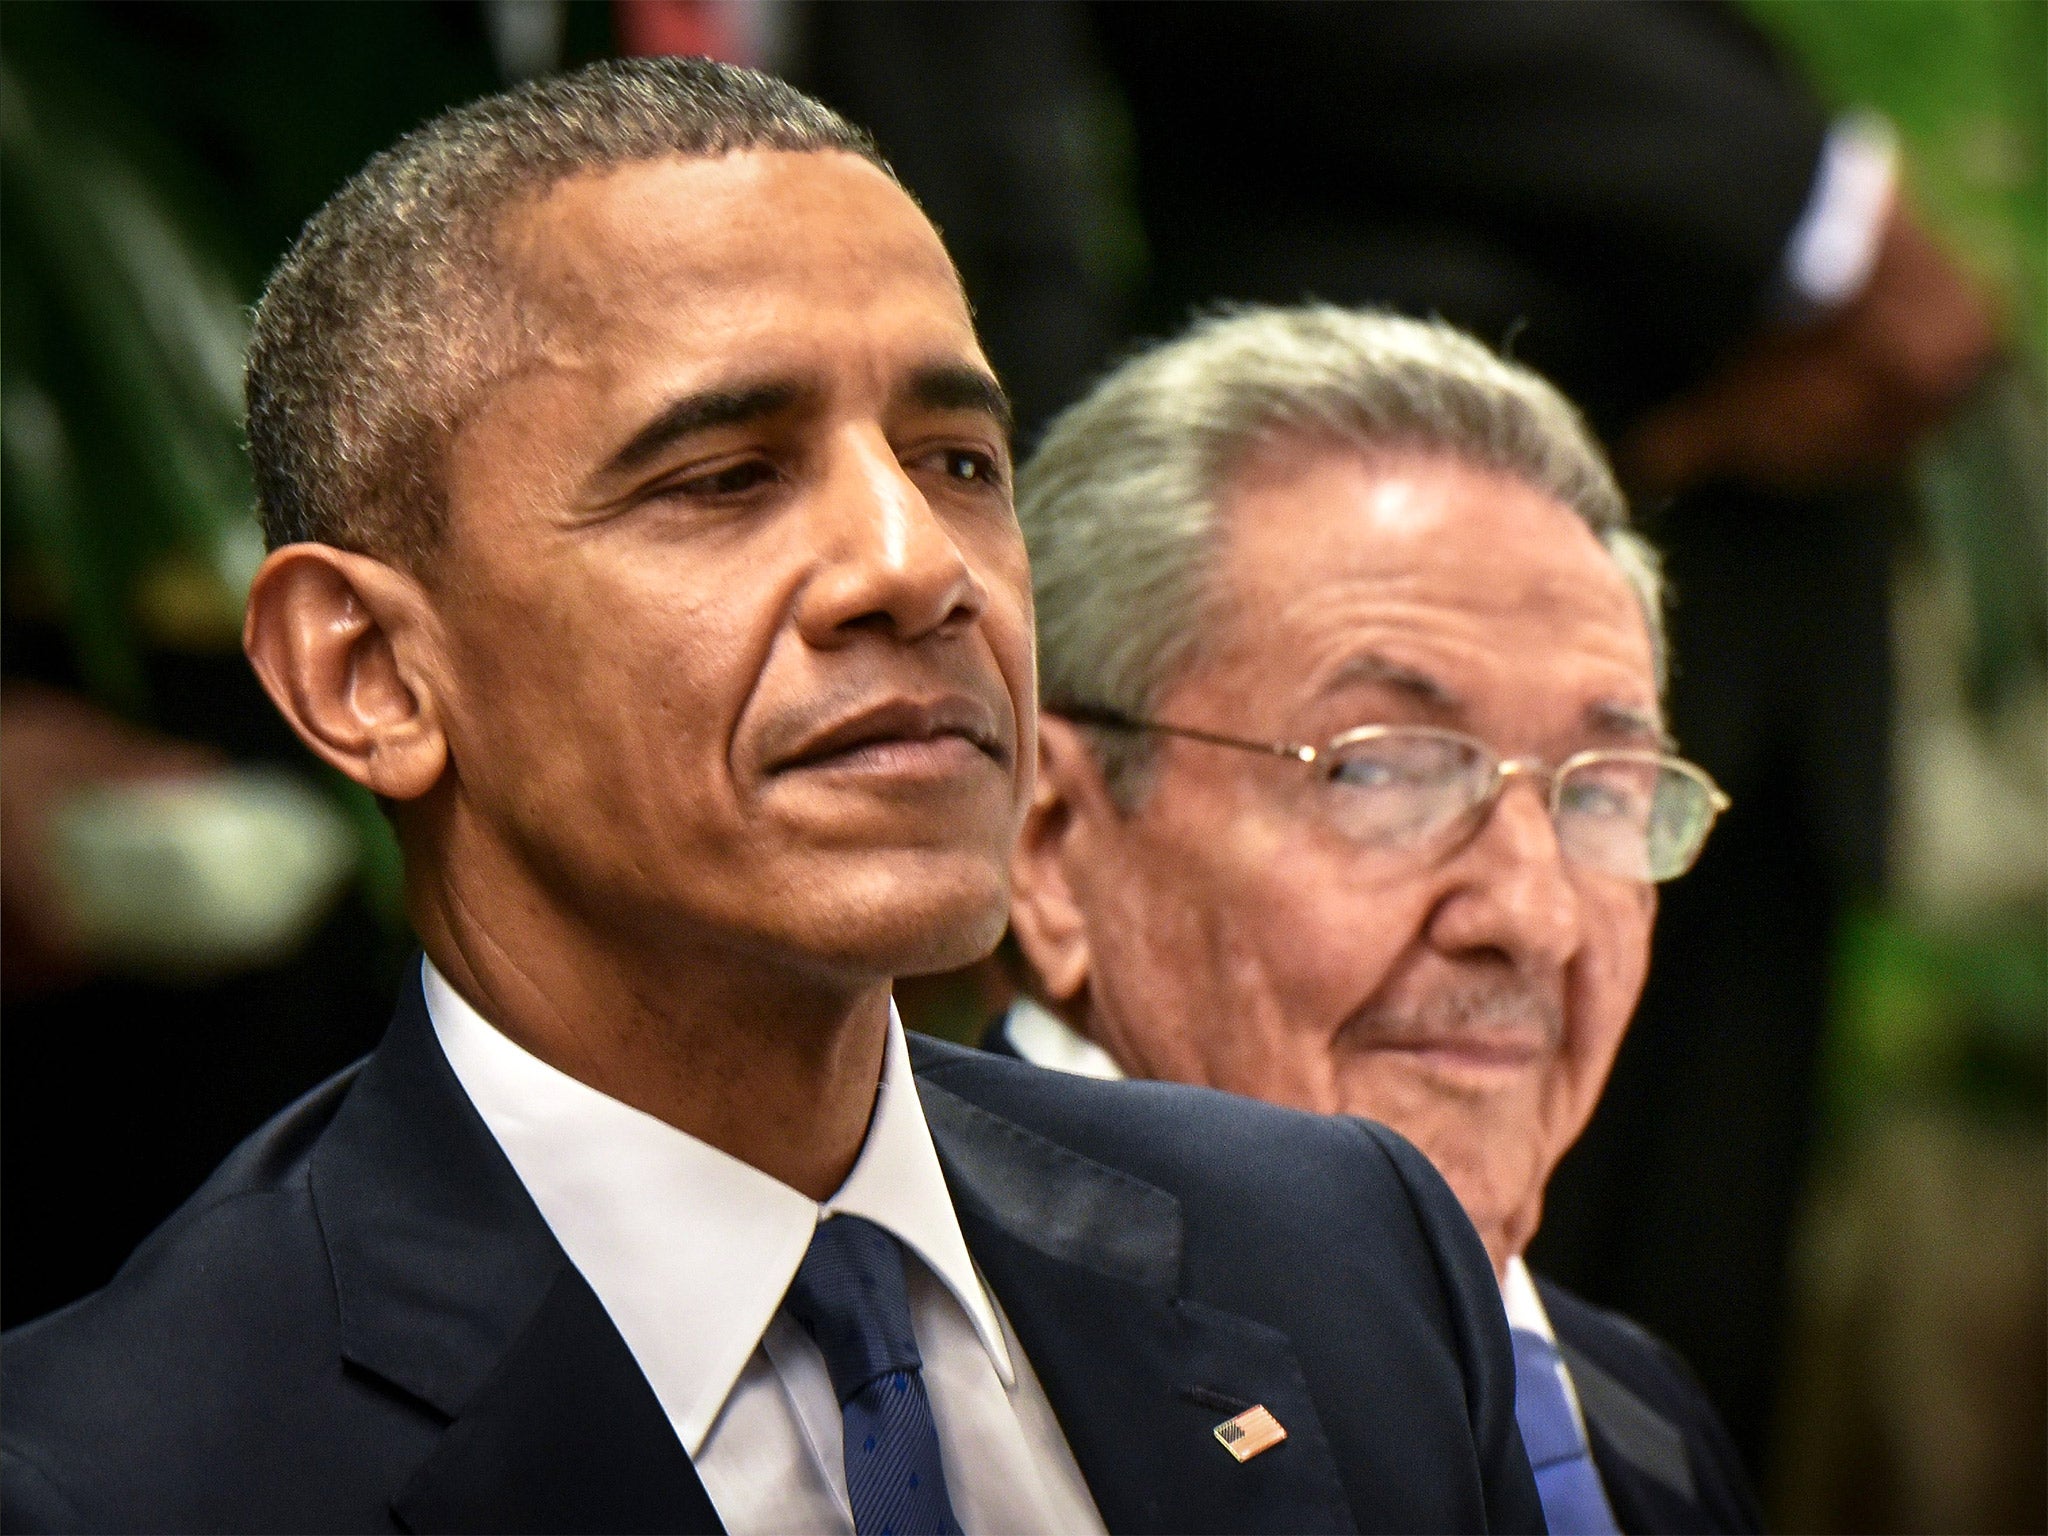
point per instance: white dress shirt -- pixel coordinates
(690, 1251)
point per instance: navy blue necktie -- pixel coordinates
(849, 1296)
(1574, 1503)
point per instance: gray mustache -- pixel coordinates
(1475, 1010)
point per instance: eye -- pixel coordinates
(1605, 796)
(965, 466)
(1365, 772)
(732, 480)
(970, 466)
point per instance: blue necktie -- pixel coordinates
(1574, 1504)
(849, 1296)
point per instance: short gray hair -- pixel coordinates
(389, 312)
(1119, 503)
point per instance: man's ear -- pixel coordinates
(1067, 810)
(343, 644)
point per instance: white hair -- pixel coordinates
(1119, 503)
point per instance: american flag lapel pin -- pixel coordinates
(1251, 1432)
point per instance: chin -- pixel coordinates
(913, 912)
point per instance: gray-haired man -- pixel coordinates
(1354, 794)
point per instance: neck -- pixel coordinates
(1508, 1237)
(744, 1052)
(1501, 1260)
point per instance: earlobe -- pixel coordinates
(1046, 913)
(337, 640)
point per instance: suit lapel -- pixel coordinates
(1640, 1454)
(566, 1436)
(1086, 1263)
(452, 1290)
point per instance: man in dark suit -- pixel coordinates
(1354, 795)
(641, 536)
(1645, 202)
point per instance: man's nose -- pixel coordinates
(886, 561)
(1511, 894)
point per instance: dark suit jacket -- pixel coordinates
(1663, 1454)
(362, 1323)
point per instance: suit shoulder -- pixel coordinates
(30, 1500)
(1175, 1135)
(181, 1358)
(1248, 1172)
(238, 1212)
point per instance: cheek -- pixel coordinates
(1008, 626)
(1010, 638)
(1607, 978)
(593, 691)
(1238, 909)
(1604, 985)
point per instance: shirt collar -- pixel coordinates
(1524, 1306)
(689, 1249)
(1045, 1039)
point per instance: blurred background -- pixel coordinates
(1822, 1168)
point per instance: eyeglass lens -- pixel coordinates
(1634, 816)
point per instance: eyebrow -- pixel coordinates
(937, 386)
(1605, 717)
(1608, 718)
(728, 407)
(959, 387)
(1370, 667)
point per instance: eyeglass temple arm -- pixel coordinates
(1116, 720)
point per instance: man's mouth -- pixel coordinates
(902, 737)
(1494, 1052)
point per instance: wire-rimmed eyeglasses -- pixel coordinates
(1637, 814)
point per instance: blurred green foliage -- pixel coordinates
(127, 511)
(126, 496)
(1966, 83)
(1957, 1010)
(1954, 1013)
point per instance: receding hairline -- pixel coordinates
(505, 234)
(515, 216)
(1280, 455)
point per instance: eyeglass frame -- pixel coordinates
(1103, 717)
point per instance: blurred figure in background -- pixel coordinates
(1353, 796)
(173, 882)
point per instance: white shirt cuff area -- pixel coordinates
(1834, 245)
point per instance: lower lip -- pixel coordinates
(934, 758)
